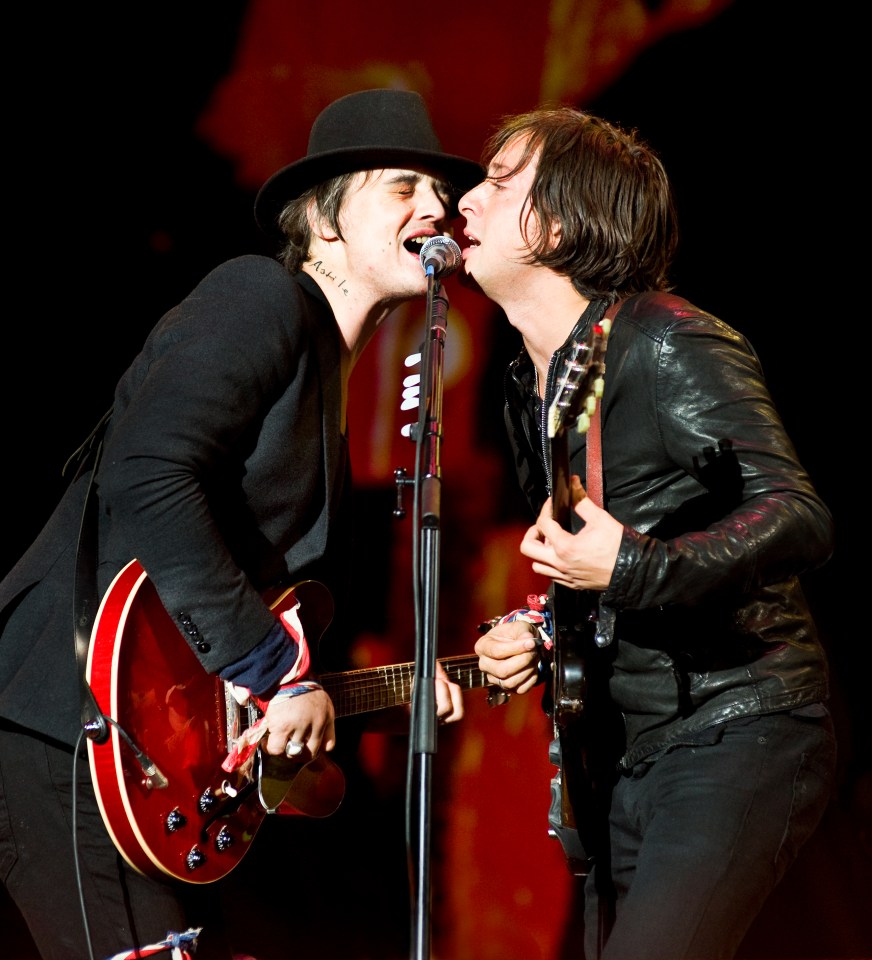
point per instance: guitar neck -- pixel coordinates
(561, 500)
(376, 688)
(576, 395)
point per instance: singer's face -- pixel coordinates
(386, 217)
(499, 224)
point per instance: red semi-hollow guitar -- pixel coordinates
(169, 807)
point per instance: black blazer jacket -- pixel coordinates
(222, 472)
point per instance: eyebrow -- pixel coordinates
(409, 177)
(412, 178)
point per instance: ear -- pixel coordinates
(555, 233)
(318, 223)
(532, 229)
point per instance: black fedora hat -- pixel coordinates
(366, 130)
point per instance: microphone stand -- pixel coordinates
(426, 537)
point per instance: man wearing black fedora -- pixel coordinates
(219, 478)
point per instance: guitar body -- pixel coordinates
(170, 808)
(200, 825)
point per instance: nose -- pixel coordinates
(465, 203)
(431, 205)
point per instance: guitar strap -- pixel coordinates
(595, 459)
(594, 487)
(85, 597)
(594, 470)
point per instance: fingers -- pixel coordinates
(509, 656)
(542, 542)
(449, 702)
(507, 640)
(580, 561)
(520, 679)
(577, 492)
(532, 541)
(449, 697)
(546, 511)
(303, 746)
(300, 727)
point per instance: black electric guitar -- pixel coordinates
(171, 808)
(579, 390)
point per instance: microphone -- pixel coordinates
(441, 255)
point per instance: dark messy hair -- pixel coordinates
(608, 193)
(294, 218)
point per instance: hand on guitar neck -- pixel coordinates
(579, 561)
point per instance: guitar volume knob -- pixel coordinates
(175, 820)
(195, 859)
(224, 840)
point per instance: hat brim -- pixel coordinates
(291, 181)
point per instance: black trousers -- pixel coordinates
(123, 909)
(700, 837)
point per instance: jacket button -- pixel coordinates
(203, 647)
(190, 628)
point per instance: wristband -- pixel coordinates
(295, 688)
(535, 613)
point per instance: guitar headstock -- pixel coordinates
(581, 384)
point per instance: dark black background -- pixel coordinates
(114, 209)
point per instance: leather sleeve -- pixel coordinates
(714, 499)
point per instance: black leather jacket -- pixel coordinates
(720, 521)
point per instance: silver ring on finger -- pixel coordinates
(294, 748)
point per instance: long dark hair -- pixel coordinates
(606, 190)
